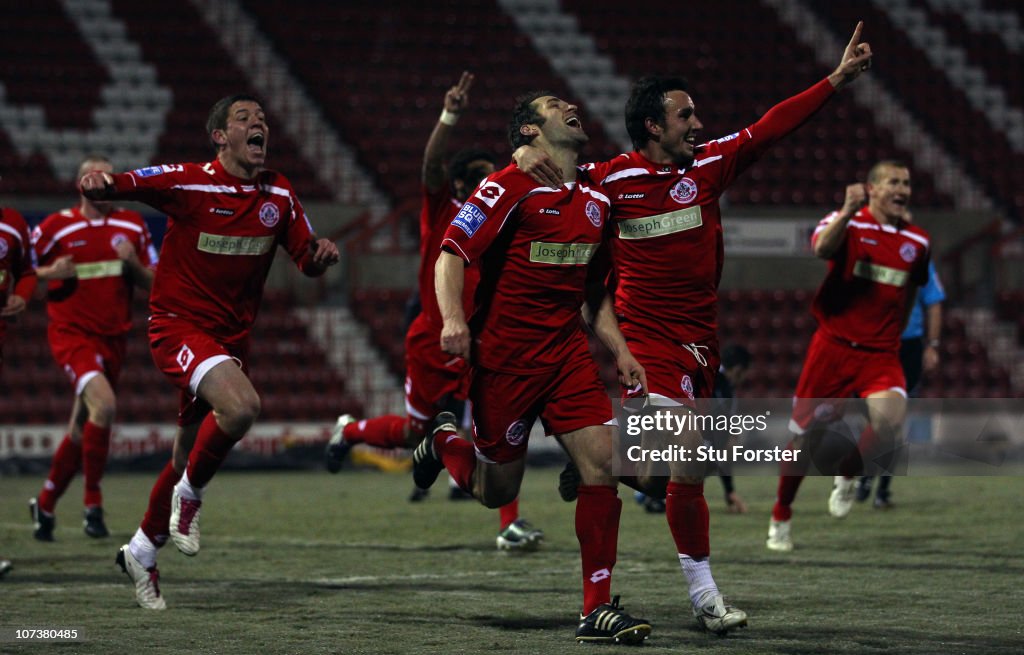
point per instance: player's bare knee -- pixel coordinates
(654, 486)
(102, 412)
(236, 417)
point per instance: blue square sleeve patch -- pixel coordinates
(469, 219)
(149, 171)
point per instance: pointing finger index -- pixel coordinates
(855, 39)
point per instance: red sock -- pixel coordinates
(65, 464)
(852, 464)
(458, 457)
(156, 524)
(383, 432)
(792, 474)
(788, 486)
(597, 529)
(509, 513)
(95, 446)
(688, 519)
(211, 449)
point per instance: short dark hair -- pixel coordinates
(876, 170)
(458, 165)
(524, 114)
(647, 100)
(217, 119)
(734, 354)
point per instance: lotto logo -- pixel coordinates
(599, 575)
(489, 192)
(185, 357)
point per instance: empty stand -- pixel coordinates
(732, 86)
(381, 75)
(941, 107)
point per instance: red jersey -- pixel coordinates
(98, 300)
(439, 208)
(870, 281)
(222, 232)
(667, 249)
(17, 261)
(533, 245)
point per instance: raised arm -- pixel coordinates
(828, 241)
(456, 99)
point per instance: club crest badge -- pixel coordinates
(593, 213)
(687, 386)
(684, 192)
(269, 214)
(516, 432)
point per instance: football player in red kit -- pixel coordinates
(93, 255)
(667, 255)
(17, 282)
(876, 261)
(226, 219)
(529, 353)
(17, 270)
(434, 379)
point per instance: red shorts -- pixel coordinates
(505, 405)
(185, 354)
(432, 375)
(836, 370)
(680, 372)
(83, 356)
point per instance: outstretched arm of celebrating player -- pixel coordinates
(456, 99)
(606, 327)
(828, 239)
(449, 281)
(793, 112)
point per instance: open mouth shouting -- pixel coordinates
(256, 143)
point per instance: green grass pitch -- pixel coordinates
(304, 562)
